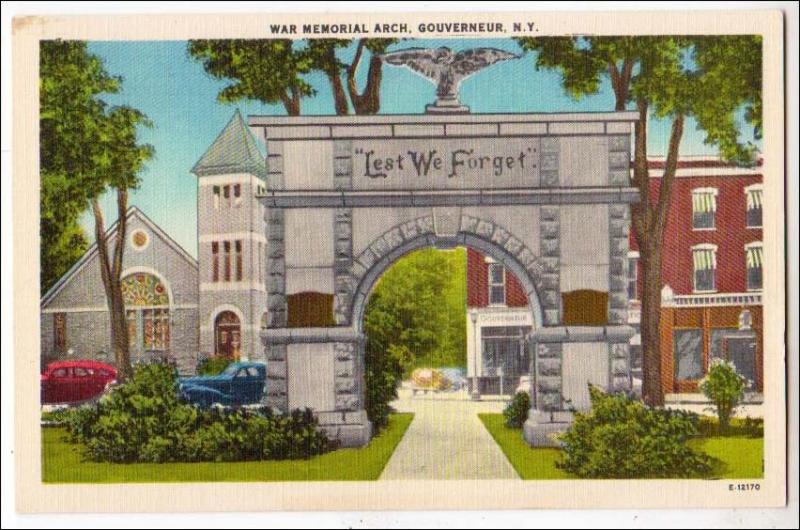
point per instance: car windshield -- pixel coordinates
(230, 370)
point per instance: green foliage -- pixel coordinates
(420, 303)
(622, 438)
(382, 375)
(274, 70)
(61, 245)
(516, 412)
(85, 148)
(266, 70)
(213, 365)
(710, 78)
(743, 427)
(65, 462)
(143, 421)
(725, 388)
(415, 316)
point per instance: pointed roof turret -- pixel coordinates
(233, 151)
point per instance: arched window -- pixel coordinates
(147, 309)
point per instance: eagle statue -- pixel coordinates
(446, 69)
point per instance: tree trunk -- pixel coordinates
(292, 102)
(110, 271)
(334, 77)
(368, 101)
(650, 258)
(649, 223)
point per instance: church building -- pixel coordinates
(178, 307)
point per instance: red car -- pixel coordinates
(72, 381)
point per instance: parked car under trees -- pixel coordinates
(75, 381)
(240, 383)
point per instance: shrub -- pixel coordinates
(725, 388)
(143, 421)
(382, 375)
(620, 437)
(213, 365)
(516, 412)
(749, 427)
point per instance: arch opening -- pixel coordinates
(486, 247)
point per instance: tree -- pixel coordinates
(86, 149)
(403, 331)
(118, 158)
(271, 71)
(709, 79)
(267, 70)
(368, 100)
(69, 79)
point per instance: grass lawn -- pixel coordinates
(735, 456)
(529, 462)
(64, 462)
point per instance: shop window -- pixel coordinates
(704, 208)
(585, 307)
(504, 351)
(688, 354)
(497, 284)
(754, 260)
(716, 347)
(755, 210)
(705, 267)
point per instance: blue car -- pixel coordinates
(241, 383)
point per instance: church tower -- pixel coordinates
(231, 244)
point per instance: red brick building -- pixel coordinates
(711, 297)
(711, 272)
(498, 320)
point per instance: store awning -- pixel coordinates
(755, 257)
(704, 259)
(754, 199)
(704, 201)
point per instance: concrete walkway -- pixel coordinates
(446, 440)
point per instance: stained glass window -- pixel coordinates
(156, 329)
(141, 289)
(132, 328)
(147, 304)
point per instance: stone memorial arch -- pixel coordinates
(547, 195)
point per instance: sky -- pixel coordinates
(173, 90)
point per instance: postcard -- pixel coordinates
(399, 261)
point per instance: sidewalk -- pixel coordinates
(446, 440)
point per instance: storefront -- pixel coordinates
(496, 346)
